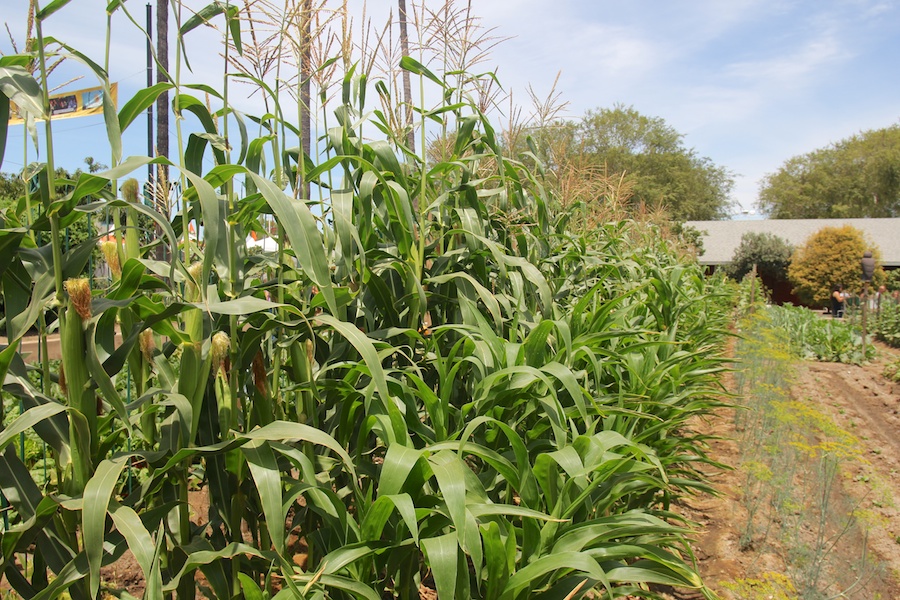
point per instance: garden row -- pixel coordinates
(796, 460)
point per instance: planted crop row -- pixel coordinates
(810, 336)
(886, 322)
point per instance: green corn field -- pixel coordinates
(438, 379)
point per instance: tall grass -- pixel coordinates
(432, 381)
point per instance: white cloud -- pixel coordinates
(803, 65)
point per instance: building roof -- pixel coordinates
(721, 238)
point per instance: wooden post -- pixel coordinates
(753, 288)
(865, 306)
(878, 307)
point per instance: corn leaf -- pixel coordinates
(267, 477)
(282, 430)
(532, 575)
(141, 545)
(29, 419)
(365, 347)
(4, 124)
(413, 66)
(250, 588)
(202, 17)
(303, 232)
(377, 516)
(51, 8)
(97, 497)
(451, 478)
(140, 102)
(441, 556)
(22, 89)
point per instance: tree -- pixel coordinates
(857, 177)
(11, 189)
(690, 237)
(648, 154)
(770, 253)
(830, 257)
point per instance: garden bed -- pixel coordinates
(857, 400)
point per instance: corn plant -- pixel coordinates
(432, 381)
(887, 322)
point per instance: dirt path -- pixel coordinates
(860, 400)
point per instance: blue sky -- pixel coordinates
(749, 83)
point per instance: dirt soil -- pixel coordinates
(860, 400)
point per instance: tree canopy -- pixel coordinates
(647, 155)
(858, 177)
(11, 187)
(831, 256)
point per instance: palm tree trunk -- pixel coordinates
(162, 75)
(162, 115)
(305, 96)
(407, 85)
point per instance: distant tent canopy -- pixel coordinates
(265, 244)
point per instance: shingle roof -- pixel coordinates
(721, 238)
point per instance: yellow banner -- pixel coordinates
(67, 105)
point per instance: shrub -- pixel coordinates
(892, 279)
(887, 323)
(770, 253)
(892, 371)
(830, 256)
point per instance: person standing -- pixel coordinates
(837, 302)
(877, 298)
